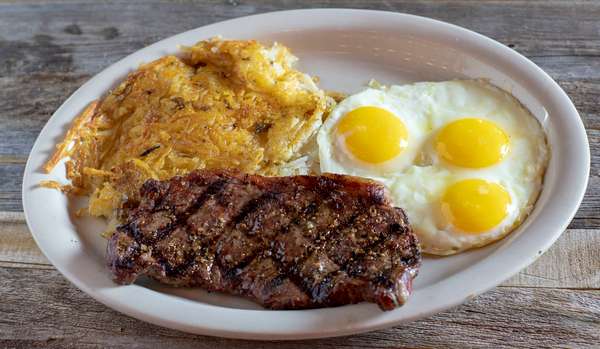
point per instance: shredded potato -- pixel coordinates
(67, 189)
(224, 104)
(76, 129)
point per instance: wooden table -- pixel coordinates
(49, 48)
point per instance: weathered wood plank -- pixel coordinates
(84, 36)
(17, 246)
(26, 103)
(572, 262)
(10, 186)
(584, 94)
(40, 309)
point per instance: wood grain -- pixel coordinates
(17, 248)
(572, 262)
(26, 103)
(10, 186)
(56, 315)
(49, 48)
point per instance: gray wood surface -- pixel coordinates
(49, 48)
(55, 314)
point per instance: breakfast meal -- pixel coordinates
(226, 168)
(286, 242)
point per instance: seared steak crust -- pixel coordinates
(285, 242)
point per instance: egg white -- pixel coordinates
(418, 186)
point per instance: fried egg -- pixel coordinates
(371, 134)
(472, 168)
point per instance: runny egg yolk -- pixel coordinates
(475, 205)
(472, 143)
(373, 135)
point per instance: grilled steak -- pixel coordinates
(285, 242)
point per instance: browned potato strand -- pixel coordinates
(223, 104)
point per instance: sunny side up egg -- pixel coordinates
(463, 158)
(371, 133)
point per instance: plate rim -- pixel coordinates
(298, 333)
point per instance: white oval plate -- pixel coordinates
(345, 48)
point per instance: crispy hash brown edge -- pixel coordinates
(62, 149)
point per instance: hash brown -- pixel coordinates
(222, 104)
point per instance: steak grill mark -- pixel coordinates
(287, 242)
